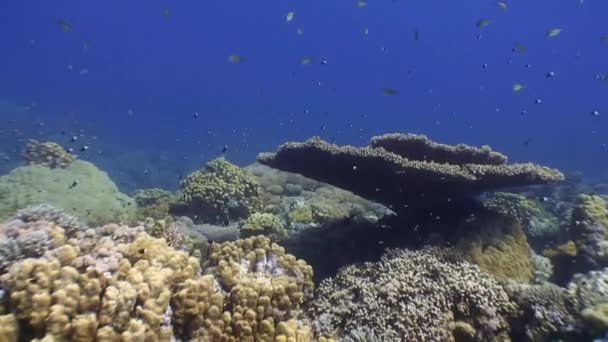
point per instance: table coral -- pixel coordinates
(220, 192)
(403, 169)
(48, 154)
(413, 296)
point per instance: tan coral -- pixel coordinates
(48, 154)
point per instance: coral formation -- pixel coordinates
(589, 230)
(118, 283)
(543, 268)
(536, 221)
(549, 311)
(153, 203)
(263, 224)
(220, 192)
(423, 295)
(48, 154)
(80, 189)
(420, 177)
(498, 245)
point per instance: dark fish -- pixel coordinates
(390, 91)
(64, 25)
(224, 148)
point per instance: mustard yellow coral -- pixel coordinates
(263, 223)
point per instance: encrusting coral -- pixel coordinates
(48, 154)
(426, 295)
(220, 192)
(118, 283)
(407, 169)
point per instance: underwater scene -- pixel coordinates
(299, 171)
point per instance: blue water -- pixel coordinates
(148, 73)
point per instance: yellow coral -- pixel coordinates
(48, 154)
(263, 223)
(501, 249)
(9, 328)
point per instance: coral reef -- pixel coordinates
(589, 230)
(423, 295)
(263, 224)
(80, 189)
(549, 311)
(536, 221)
(498, 245)
(426, 174)
(543, 268)
(48, 154)
(221, 192)
(153, 202)
(118, 283)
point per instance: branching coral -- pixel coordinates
(220, 192)
(414, 296)
(549, 311)
(48, 153)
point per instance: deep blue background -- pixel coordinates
(166, 68)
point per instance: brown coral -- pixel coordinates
(48, 154)
(413, 171)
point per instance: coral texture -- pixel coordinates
(426, 295)
(220, 192)
(80, 189)
(118, 283)
(48, 154)
(153, 203)
(589, 231)
(426, 173)
(263, 224)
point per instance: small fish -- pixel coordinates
(550, 74)
(595, 113)
(166, 12)
(416, 35)
(482, 23)
(83, 71)
(538, 101)
(84, 148)
(299, 31)
(306, 60)
(289, 16)
(225, 149)
(519, 47)
(70, 67)
(74, 184)
(195, 116)
(64, 25)
(502, 5)
(390, 91)
(85, 45)
(235, 59)
(366, 31)
(361, 3)
(604, 38)
(554, 32)
(518, 87)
